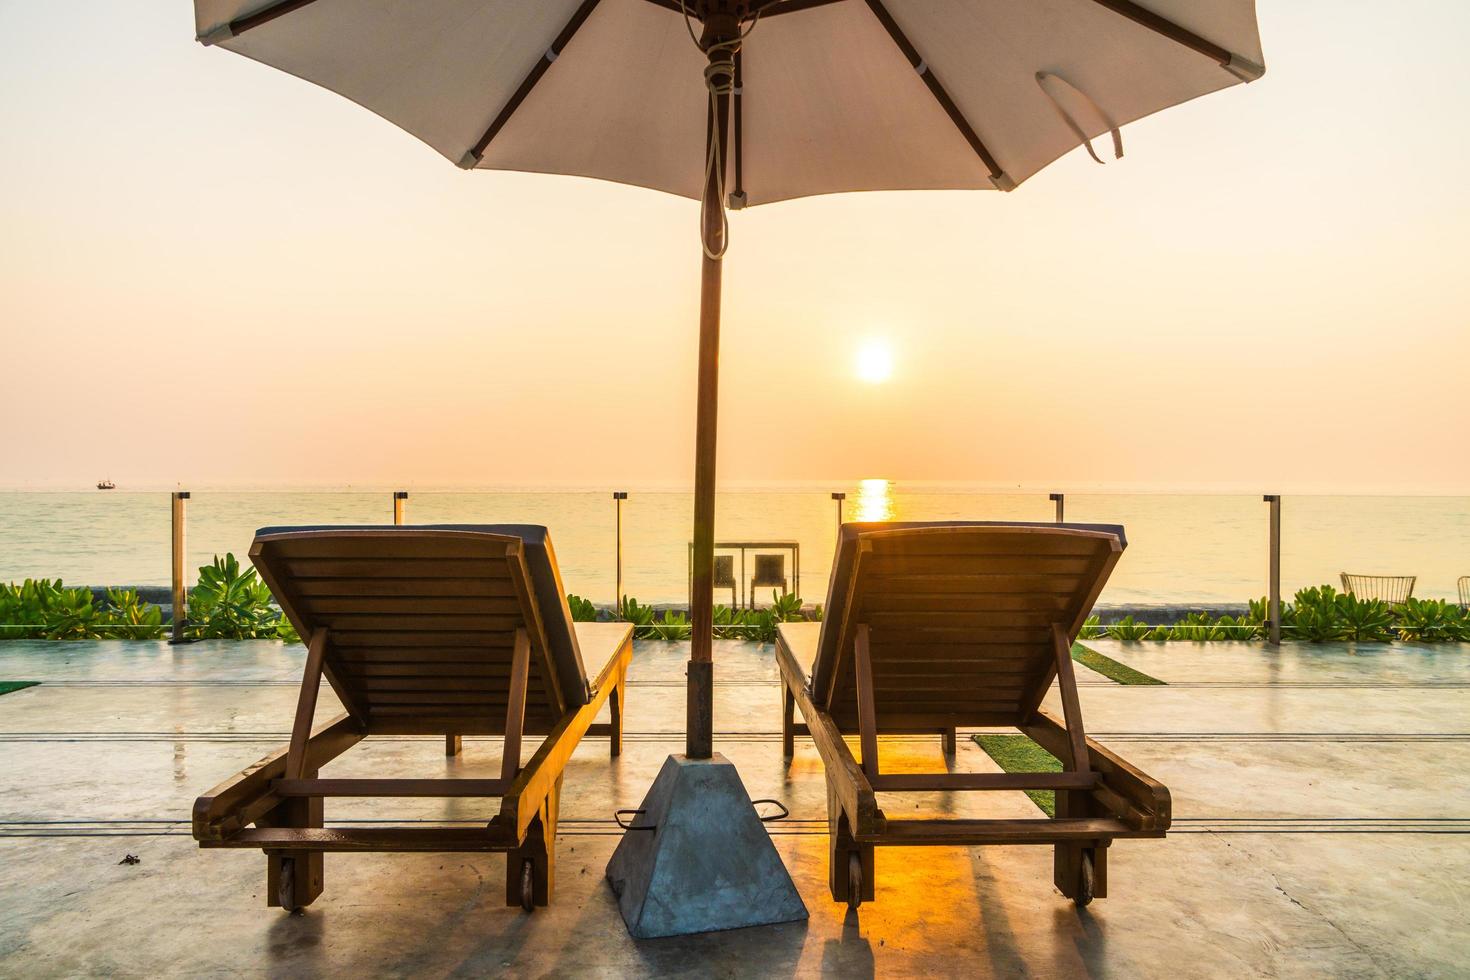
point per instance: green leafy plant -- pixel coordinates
(23, 608)
(1090, 629)
(727, 621)
(71, 614)
(1232, 628)
(1161, 634)
(673, 626)
(786, 608)
(1431, 621)
(230, 603)
(761, 625)
(1127, 629)
(1364, 620)
(640, 616)
(1315, 614)
(128, 617)
(286, 632)
(583, 611)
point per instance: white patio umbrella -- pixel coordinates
(745, 102)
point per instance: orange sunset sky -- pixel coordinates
(215, 274)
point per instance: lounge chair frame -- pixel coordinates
(282, 794)
(1100, 797)
(1392, 589)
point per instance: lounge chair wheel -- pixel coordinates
(854, 880)
(528, 886)
(286, 885)
(1085, 880)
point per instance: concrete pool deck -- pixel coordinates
(1321, 800)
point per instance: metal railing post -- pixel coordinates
(1273, 575)
(1060, 500)
(839, 498)
(400, 504)
(618, 497)
(180, 588)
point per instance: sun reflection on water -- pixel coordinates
(875, 501)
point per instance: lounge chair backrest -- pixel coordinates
(960, 617)
(422, 620)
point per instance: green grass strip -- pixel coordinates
(1017, 753)
(1110, 668)
(7, 686)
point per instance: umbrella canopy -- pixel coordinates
(750, 102)
(831, 95)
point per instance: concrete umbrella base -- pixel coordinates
(698, 859)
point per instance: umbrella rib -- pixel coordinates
(240, 25)
(477, 152)
(737, 126)
(1231, 62)
(998, 176)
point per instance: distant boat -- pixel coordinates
(106, 485)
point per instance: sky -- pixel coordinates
(215, 275)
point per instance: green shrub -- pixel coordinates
(1364, 620)
(1432, 621)
(674, 626)
(1090, 629)
(1127, 629)
(1231, 628)
(46, 609)
(130, 618)
(786, 608)
(583, 611)
(230, 603)
(640, 616)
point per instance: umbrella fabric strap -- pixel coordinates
(1041, 79)
(719, 78)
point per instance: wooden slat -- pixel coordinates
(449, 680)
(966, 568)
(417, 587)
(395, 568)
(867, 715)
(924, 636)
(446, 839)
(411, 605)
(888, 604)
(981, 781)
(917, 832)
(241, 799)
(912, 719)
(977, 584)
(952, 543)
(359, 643)
(515, 709)
(1148, 795)
(354, 622)
(435, 788)
(388, 545)
(960, 620)
(311, 684)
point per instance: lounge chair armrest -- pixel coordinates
(522, 801)
(1127, 792)
(846, 778)
(246, 796)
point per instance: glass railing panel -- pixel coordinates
(108, 537)
(1427, 537)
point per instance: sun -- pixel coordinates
(874, 362)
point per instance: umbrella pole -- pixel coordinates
(699, 720)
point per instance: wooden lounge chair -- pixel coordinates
(931, 627)
(452, 631)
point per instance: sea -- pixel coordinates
(1182, 548)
